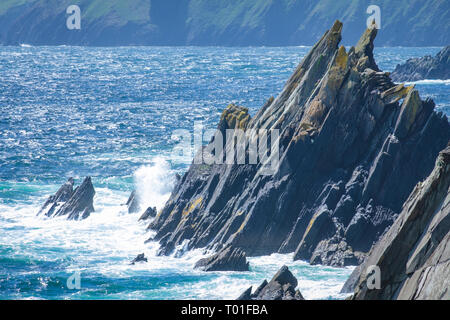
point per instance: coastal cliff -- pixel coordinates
(222, 23)
(352, 146)
(414, 255)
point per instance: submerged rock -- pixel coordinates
(227, 259)
(139, 258)
(281, 287)
(414, 256)
(149, 213)
(427, 67)
(352, 146)
(75, 204)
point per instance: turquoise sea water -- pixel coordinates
(109, 113)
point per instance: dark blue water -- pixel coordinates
(109, 113)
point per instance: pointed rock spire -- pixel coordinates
(364, 49)
(343, 174)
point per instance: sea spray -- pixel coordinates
(154, 183)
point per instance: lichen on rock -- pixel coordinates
(352, 147)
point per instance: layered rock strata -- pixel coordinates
(413, 258)
(75, 204)
(352, 146)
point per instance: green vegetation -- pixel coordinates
(219, 22)
(8, 4)
(133, 11)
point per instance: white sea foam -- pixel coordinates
(154, 183)
(429, 81)
(314, 282)
(105, 243)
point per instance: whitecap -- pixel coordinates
(430, 82)
(154, 183)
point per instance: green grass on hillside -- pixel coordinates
(7, 4)
(132, 11)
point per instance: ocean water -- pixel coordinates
(110, 113)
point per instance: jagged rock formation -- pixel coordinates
(281, 287)
(414, 255)
(227, 259)
(427, 67)
(133, 203)
(139, 258)
(352, 146)
(55, 201)
(149, 213)
(75, 204)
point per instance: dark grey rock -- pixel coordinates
(81, 204)
(139, 258)
(133, 202)
(246, 295)
(350, 284)
(281, 287)
(352, 147)
(149, 213)
(427, 67)
(227, 259)
(336, 252)
(260, 288)
(53, 202)
(78, 204)
(414, 255)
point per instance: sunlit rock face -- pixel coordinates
(352, 146)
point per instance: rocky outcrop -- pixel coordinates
(427, 67)
(414, 256)
(281, 287)
(59, 198)
(133, 203)
(149, 213)
(139, 258)
(335, 252)
(352, 146)
(227, 259)
(75, 204)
